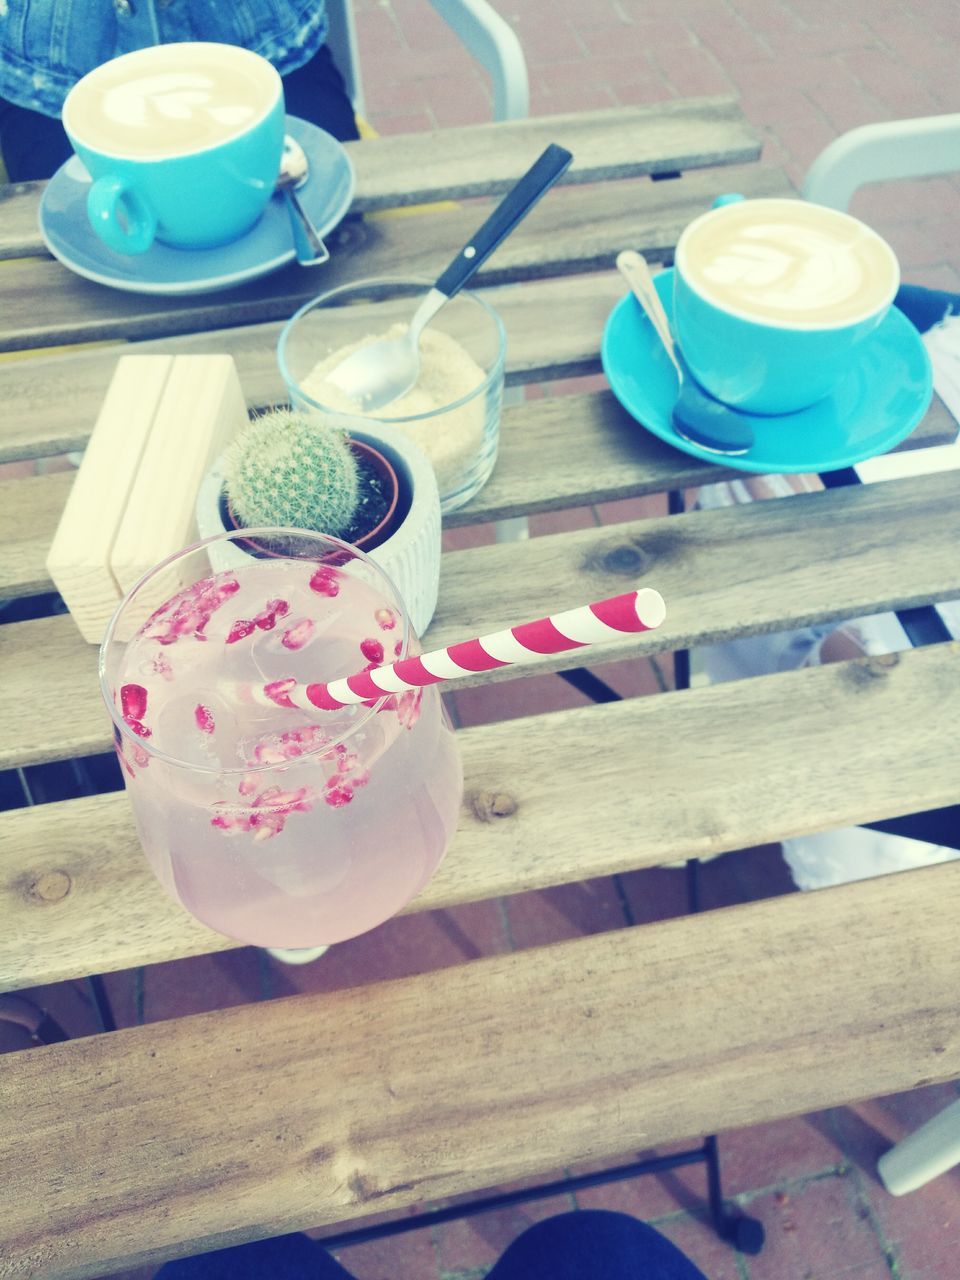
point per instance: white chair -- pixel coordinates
(915, 148)
(878, 153)
(486, 36)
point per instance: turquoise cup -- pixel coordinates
(778, 362)
(190, 190)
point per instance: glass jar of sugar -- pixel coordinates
(453, 411)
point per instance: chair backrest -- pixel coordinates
(486, 36)
(878, 152)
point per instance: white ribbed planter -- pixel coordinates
(410, 557)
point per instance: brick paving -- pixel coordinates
(804, 72)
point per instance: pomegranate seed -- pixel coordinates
(385, 619)
(298, 635)
(408, 708)
(242, 627)
(338, 796)
(133, 701)
(359, 779)
(266, 619)
(268, 826)
(249, 784)
(204, 718)
(279, 691)
(325, 582)
(161, 665)
(308, 737)
(398, 649)
(372, 650)
(136, 727)
(278, 801)
(228, 825)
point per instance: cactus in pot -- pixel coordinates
(397, 515)
(285, 470)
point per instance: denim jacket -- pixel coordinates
(47, 45)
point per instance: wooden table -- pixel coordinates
(166, 1139)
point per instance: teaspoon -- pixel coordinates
(697, 417)
(294, 171)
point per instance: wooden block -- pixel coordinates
(201, 410)
(79, 558)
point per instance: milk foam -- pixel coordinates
(187, 97)
(169, 100)
(789, 262)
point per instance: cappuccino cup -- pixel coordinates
(182, 141)
(772, 297)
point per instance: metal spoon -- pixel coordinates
(385, 370)
(294, 171)
(697, 417)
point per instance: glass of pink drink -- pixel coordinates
(276, 826)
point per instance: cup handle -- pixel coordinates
(120, 217)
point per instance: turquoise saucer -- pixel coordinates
(877, 404)
(326, 195)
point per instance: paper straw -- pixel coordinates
(574, 629)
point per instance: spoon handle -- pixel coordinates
(633, 267)
(309, 248)
(514, 206)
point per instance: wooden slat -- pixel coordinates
(51, 403)
(42, 303)
(543, 444)
(30, 510)
(836, 554)
(692, 774)
(621, 142)
(487, 159)
(210, 1130)
(539, 438)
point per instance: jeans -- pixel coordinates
(592, 1244)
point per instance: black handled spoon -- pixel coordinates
(382, 371)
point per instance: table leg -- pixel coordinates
(743, 1232)
(676, 506)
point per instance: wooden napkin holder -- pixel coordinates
(163, 422)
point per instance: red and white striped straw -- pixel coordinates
(575, 628)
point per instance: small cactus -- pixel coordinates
(285, 470)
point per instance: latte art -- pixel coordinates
(788, 262)
(170, 100)
(178, 103)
